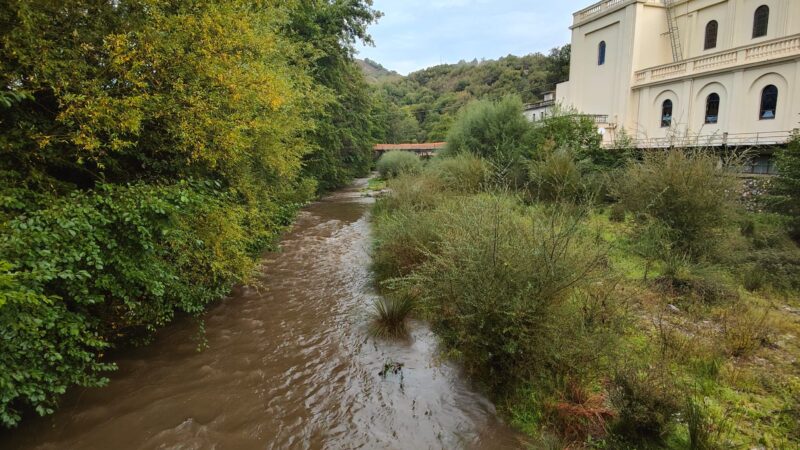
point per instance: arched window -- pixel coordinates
(761, 21)
(601, 53)
(769, 103)
(666, 114)
(712, 28)
(712, 108)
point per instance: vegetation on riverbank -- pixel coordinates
(604, 299)
(150, 151)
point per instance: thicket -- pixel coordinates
(149, 152)
(608, 300)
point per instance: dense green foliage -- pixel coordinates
(787, 184)
(495, 131)
(690, 192)
(433, 96)
(396, 162)
(644, 318)
(149, 152)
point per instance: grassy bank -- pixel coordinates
(629, 304)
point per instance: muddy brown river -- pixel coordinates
(288, 365)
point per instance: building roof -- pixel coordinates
(423, 146)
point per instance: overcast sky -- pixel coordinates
(414, 34)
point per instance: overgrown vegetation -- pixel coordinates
(604, 300)
(396, 162)
(149, 152)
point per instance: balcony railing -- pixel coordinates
(767, 138)
(606, 5)
(596, 9)
(779, 48)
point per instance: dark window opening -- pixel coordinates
(769, 103)
(666, 114)
(761, 21)
(712, 108)
(712, 29)
(601, 53)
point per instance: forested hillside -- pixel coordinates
(421, 106)
(149, 152)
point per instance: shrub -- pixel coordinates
(394, 163)
(464, 173)
(498, 287)
(745, 330)
(786, 186)
(495, 131)
(568, 129)
(646, 401)
(556, 177)
(44, 349)
(402, 241)
(687, 191)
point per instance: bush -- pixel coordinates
(687, 191)
(646, 401)
(394, 163)
(495, 131)
(786, 186)
(556, 177)
(464, 173)
(44, 349)
(498, 287)
(578, 133)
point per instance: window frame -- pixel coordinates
(712, 35)
(774, 92)
(761, 21)
(712, 99)
(666, 119)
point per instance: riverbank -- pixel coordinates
(582, 336)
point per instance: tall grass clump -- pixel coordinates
(389, 316)
(690, 192)
(394, 163)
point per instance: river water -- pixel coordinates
(289, 364)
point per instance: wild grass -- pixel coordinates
(389, 316)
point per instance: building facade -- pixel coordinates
(542, 109)
(688, 72)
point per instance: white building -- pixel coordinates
(678, 72)
(540, 110)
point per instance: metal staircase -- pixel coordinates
(674, 35)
